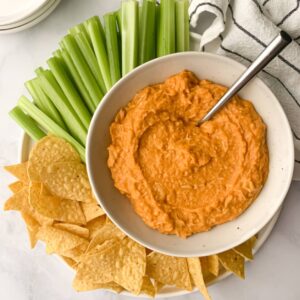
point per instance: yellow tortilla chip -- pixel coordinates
(16, 186)
(53, 207)
(245, 249)
(46, 151)
(106, 232)
(213, 264)
(59, 241)
(169, 270)
(32, 228)
(147, 287)
(69, 261)
(158, 286)
(75, 229)
(207, 275)
(233, 262)
(68, 180)
(87, 285)
(94, 225)
(99, 267)
(130, 266)
(103, 246)
(19, 171)
(17, 201)
(91, 210)
(76, 253)
(197, 276)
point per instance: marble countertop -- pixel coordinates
(29, 275)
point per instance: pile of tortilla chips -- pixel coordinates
(54, 197)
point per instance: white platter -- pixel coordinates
(170, 291)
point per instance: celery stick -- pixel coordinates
(27, 123)
(78, 81)
(166, 32)
(118, 15)
(36, 91)
(98, 40)
(48, 124)
(87, 77)
(182, 25)
(80, 28)
(147, 33)
(112, 44)
(90, 58)
(57, 96)
(97, 20)
(69, 90)
(129, 35)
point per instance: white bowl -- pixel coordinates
(223, 237)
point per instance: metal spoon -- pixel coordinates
(271, 51)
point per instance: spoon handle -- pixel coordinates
(271, 51)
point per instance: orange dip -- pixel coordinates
(182, 179)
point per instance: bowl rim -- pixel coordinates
(143, 242)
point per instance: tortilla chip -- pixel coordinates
(17, 201)
(106, 232)
(130, 266)
(103, 246)
(233, 262)
(91, 210)
(81, 285)
(147, 287)
(19, 171)
(94, 225)
(99, 267)
(197, 276)
(53, 207)
(32, 228)
(169, 270)
(245, 249)
(158, 286)
(76, 253)
(75, 229)
(69, 261)
(59, 241)
(68, 180)
(213, 264)
(16, 186)
(46, 151)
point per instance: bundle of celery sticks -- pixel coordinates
(91, 59)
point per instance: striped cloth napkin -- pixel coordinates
(244, 28)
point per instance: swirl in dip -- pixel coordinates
(182, 179)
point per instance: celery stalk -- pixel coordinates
(57, 96)
(112, 44)
(166, 31)
(88, 79)
(27, 123)
(98, 40)
(182, 25)
(78, 81)
(118, 15)
(129, 26)
(69, 90)
(90, 58)
(36, 91)
(48, 124)
(147, 33)
(80, 28)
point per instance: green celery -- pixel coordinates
(36, 91)
(27, 123)
(182, 25)
(147, 33)
(69, 44)
(112, 44)
(78, 81)
(69, 90)
(118, 15)
(98, 40)
(80, 28)
(90, 58)
(129, 24)
(57, 96)
(166, 28)
(49, 125)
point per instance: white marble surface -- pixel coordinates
(30, 275)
